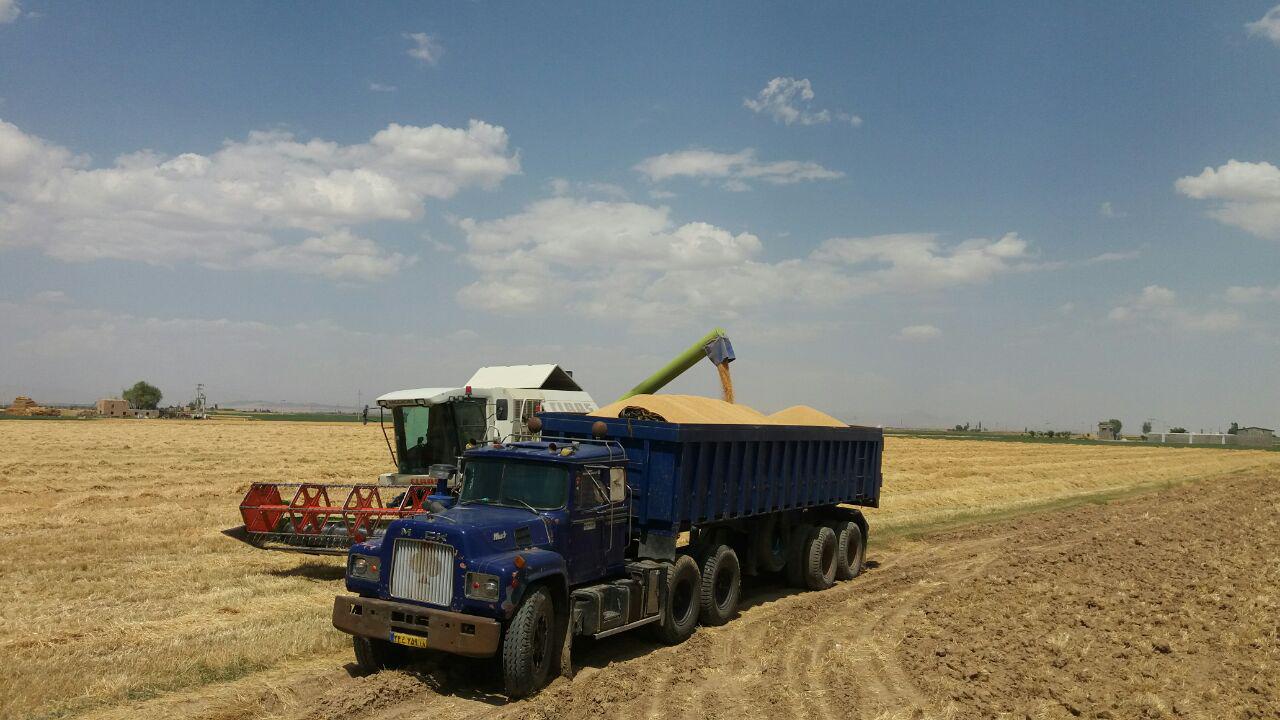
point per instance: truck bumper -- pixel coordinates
(450, 632)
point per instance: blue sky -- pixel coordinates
(904, 214)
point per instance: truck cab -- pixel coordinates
(543, 518)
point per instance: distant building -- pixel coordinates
(1255, 437)
(117, 408)
(1188, 438)
(1107, 432)
(112, 407)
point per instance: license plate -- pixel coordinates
(416, 641)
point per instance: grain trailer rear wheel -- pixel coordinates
(772, 540)
(680, 604)
(797, 555)
(721, 586)
(818, 558)
(851, 548)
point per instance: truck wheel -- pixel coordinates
(820, 558)
(796, 555)
(373, 654)
(849, 550)
(721, 586)
(772, 540)
(680, 606)
(528, 645)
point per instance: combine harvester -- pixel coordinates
(430, 430)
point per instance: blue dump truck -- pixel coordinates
(578, 534)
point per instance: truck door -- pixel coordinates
(587, 522)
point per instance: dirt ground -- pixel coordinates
(1159, 605)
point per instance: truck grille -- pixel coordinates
(422, 571)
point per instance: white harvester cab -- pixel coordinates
(433, 426)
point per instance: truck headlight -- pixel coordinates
(363, 567)
(482, 586)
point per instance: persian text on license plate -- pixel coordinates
(416, 641)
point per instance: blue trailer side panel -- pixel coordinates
(687, 475)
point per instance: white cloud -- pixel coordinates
(339, 255)
(736, 170)
(632, 261)
(610, 191)
(379, 87)
(9, 11)
(919, 333)
(1252, 295)
(1157, 306)
(1247, 195)
(1114, 256)
(919, 262)
(788, 100)
(425, 48)
(1156, 296)
(245, 205)
(1107, 210)
(1268, 26)
(50, 297)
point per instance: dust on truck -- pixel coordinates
(576, 535)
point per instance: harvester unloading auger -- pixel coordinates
(430, 429)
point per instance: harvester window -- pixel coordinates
(472, 426)
(413, 435)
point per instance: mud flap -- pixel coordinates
(566, 654)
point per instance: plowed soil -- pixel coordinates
(1160, 605)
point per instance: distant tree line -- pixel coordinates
(1055, 434)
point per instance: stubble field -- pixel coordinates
(122, 597)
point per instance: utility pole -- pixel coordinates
(198, 411)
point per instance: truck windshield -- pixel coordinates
(514, 483)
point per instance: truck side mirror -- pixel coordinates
(500, 409)
(617, 484)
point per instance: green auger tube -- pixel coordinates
(714, 345)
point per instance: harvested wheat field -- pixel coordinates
(121, 597)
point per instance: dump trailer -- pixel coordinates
(579, 534)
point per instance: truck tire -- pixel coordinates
(797, 557)
(528, 645)
(373, 654)
(850, 549)
(721, 586)
(680, 605)
(820, 558)
(772, 540)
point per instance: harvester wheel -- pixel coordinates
(373, 654)
(772, 540)
(820, 558)
(850, 549)
(797, 554)
(721, 586)
(680, 605)
(529, 645)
